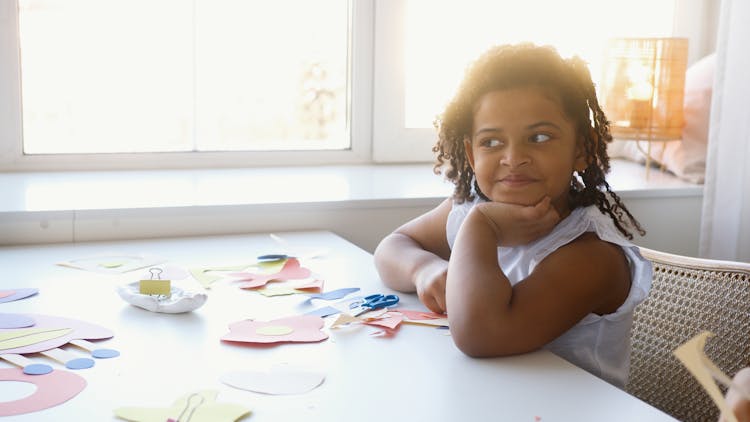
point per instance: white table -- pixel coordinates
(417, 375)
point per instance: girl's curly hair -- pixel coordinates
(510, 66)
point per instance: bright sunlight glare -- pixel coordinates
(442, 37)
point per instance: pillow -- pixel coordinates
(686, 158)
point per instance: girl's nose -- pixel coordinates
(515, 155)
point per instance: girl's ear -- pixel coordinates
(469, 151)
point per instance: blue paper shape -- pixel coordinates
(105, 353)
(334, 294)
(324, 311)
(37, 369)
(79, 363)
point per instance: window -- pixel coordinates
(143, 83)
(215, 83)
(428, 48)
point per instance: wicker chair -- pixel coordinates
(689, 295)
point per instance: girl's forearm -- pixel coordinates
(399, 259)
(478, 293)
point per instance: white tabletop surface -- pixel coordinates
(418, 374)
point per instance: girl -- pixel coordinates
(532, 249)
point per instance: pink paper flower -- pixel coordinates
(295, 329)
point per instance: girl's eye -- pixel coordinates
(490, 143)
(540, 137)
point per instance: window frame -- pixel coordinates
(12, 157)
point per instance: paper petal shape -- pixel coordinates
(204, 409)
(75, 329)
(52, 389)
(305, 329)
(278, 380)
(291, 271)
(15, 321)
(423, 318)
(16, 294)
(177, 302)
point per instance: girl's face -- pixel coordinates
(523, 147)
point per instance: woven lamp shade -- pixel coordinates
(643, 87)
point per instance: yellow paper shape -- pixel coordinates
(112, 264)
(205, 410)
(704, 370)
(154, 287)
(28, 336)
(274, 330)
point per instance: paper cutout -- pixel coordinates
(177, 301)
(324, 311)
(75, 329)
(291, 271)
(278, 380)
(204, 276)
(424, 318)
(16, 294)
(285, 290)
(334, 294)
(95, 351)
(15, 321)
(113, 263)
(70, 360)
(274, 330)
(305, 329)
(52, 389)
(28, 366)
(206, 409)
(705, 371)
(14, 339)
(387, 321)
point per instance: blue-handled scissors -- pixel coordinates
(371, 302)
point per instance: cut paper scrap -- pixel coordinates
(54, 332)
(291, 271)
(113, 263)
(52, 389)
(208, 275)
(705, 371)
(29, 367)
(15, 321)
(68, 359)
(324, 311)
(303, 288)
(424, 318)
(380, 318)
(334, 294)
(16, 294)
(278, 380)
(196, 407)
(97, 352)
(295, 329)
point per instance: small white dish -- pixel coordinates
(178, 301)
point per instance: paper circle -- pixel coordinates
(104, 353)
(52, 389)
(274, 330)
(37, 369)
(79, 363)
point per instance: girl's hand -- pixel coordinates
(430, 284)
(520, 224)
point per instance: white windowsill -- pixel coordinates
(61, 196)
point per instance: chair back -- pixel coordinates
(688, 295)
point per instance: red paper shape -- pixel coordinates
(305, 329)
(291, 271)
(51, 389)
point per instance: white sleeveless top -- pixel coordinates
(599, 344)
